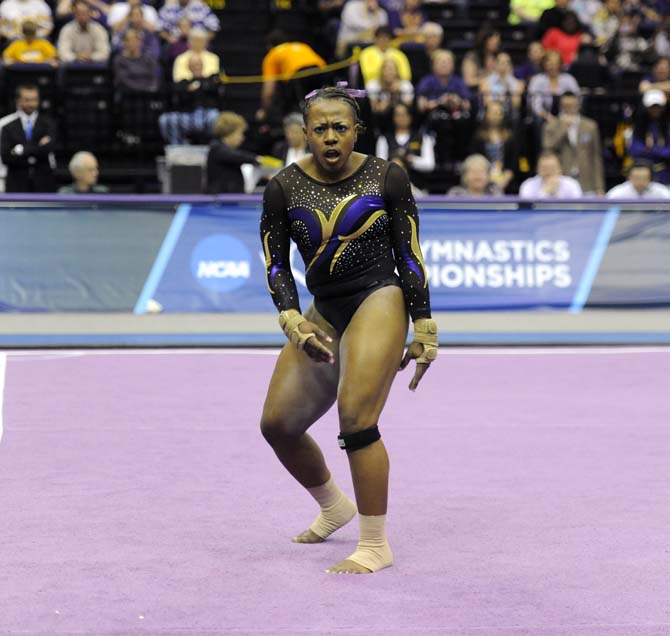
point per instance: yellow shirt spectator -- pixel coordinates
(290, 57)
(372, 58)
(527, 10)
(36, 52)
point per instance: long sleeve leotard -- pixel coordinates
(350, 234)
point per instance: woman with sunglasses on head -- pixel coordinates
(354, 221)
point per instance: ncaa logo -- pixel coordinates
(221, 262)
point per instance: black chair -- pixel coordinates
(87, 116)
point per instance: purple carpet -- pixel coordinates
(530, 496)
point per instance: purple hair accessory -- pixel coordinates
(352, 92)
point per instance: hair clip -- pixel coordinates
(352, 92)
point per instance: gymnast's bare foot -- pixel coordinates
(348, 567)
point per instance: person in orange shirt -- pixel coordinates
(30, 49)
(284, 58)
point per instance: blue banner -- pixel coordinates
(479, 259)
(212, 259)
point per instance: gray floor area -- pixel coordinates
(486, 328)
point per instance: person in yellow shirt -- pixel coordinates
(30, 49)
(372, 57)
(284, 58)
(527, 11)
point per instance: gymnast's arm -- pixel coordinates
(276, 240)
(401, 208)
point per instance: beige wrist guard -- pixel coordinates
(290, 321)
(425, 332)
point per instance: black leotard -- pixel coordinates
(352, 235)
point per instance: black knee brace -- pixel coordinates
(359, 439)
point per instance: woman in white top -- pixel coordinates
(358, 22)
(414, 147)
(545, 88)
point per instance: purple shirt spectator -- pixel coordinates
(432, 87)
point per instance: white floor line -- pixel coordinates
(43, 354)
(3, 366)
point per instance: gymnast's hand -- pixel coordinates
(423, 349)
(307, 336)
(315, 347)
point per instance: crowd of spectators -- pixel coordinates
(473, 120)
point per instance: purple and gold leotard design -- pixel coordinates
(351, 234)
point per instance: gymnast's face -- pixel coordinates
(331, 134)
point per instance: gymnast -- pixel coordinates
(354, 221)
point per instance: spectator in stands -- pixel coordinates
(225, 157)
(639, 184)
(527, 11)
(82, 39)
(533, 64)
(358, 22)
(412, 145)
(545, 89)
(150, 45)
(553, 17)
(134, 69)
(445, 100)
(502, 86)
(30, 49)
(180, 45)
(294, 145)
(443, 89)
(285, 58)
(651, 134)
(385, 93)
(566, 38)
(371, 57)
(407, 22)
(432, 35)
(197, 13)
(196, 106)
(605, 22)
(659, 78)
(586, 10)
(649, 12)
(480, 61)
(117, 18)
(27, 144)
(431, 38)
(662, 38)
(99, 10)
(627, 49)
(197, 47)
(13, 13)
(549, 181)
(475, 179)
(84, 170)
(576, 141)
(495, 139)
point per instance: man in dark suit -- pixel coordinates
(27, 145)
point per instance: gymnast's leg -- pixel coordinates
(370, 353)
(300, 392)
